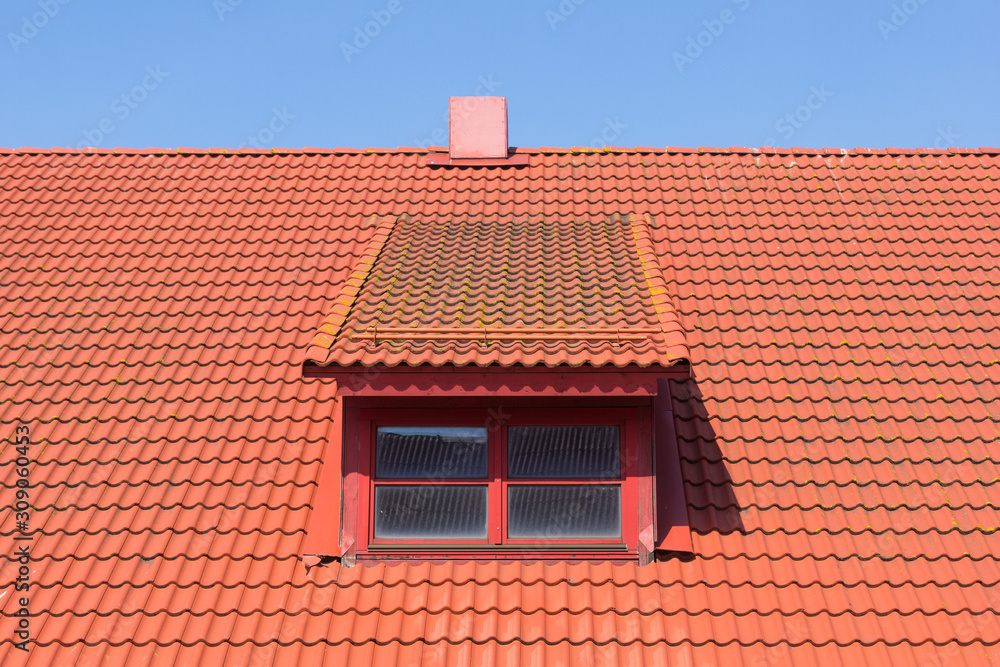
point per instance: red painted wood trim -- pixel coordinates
(673, 533)
(452, 381)
(498, 472)
(528, 557)
(496, 409)
(352, 481)
(644, 485)
(629, 485)
(681, 370)
(323, 529)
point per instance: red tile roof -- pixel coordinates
(504, 292)
(839, 438)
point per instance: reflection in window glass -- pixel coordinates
(431, 452)
(430, 512)
(564, 511)
(563, 452)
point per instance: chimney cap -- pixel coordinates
(477, 127)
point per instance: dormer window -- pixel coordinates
(501, 396)
(540, 482)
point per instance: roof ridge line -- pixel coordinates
(543, 150)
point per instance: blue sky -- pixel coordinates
(225, 73)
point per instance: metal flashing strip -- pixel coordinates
(497, 334)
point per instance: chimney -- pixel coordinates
(477, 127)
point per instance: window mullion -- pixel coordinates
(496, 500)
(502, 463)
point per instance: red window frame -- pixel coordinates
(496, 544)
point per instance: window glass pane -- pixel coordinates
(563, 452)
(562, 512)
(430, 512)
(431, 452)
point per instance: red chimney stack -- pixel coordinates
(477, 127)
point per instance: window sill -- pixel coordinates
(615, 557)
(412, 553)
(576, 547)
